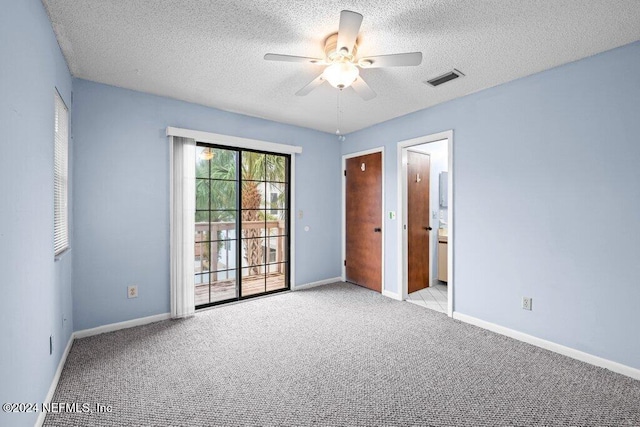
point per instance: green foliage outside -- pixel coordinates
(218, 196)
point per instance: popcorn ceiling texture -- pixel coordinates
(211, 52)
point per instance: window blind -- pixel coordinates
(61, 176)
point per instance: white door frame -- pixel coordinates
(344, 208)
(403, 146)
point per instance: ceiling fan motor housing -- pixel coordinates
(333, 54)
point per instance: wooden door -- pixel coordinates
(418, 228)
(363, 222)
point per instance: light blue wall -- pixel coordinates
(36, 291)
(122, 197)
(547, 201)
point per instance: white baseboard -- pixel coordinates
(551, 346)
(121, 325)
(392, 295)
(318, 283)
(56, 378)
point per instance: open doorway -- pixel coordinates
(426, 244)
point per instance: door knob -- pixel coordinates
(377, 230)
(428, 228)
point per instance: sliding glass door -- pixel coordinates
(241, 224)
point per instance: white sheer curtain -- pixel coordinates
(183, 201)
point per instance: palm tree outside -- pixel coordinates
(216, 200)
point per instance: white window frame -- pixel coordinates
(60, 176)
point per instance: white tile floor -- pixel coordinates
(433, 297)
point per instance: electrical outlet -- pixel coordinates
(132, 291)
(527, 303)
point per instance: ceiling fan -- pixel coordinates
(341, 66)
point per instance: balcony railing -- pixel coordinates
(202, 236)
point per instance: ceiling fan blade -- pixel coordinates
(363, 89)
(348, 29)
(396, 60)
(311, 86)
(291, 58)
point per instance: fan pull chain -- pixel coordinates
(341, 138)
(338, 114)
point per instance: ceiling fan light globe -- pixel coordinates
(341, 74)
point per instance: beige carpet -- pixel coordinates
(335, 355)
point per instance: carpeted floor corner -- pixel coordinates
(334, 355)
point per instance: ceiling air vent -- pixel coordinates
(447, 77)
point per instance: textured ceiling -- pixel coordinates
(211, 52)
